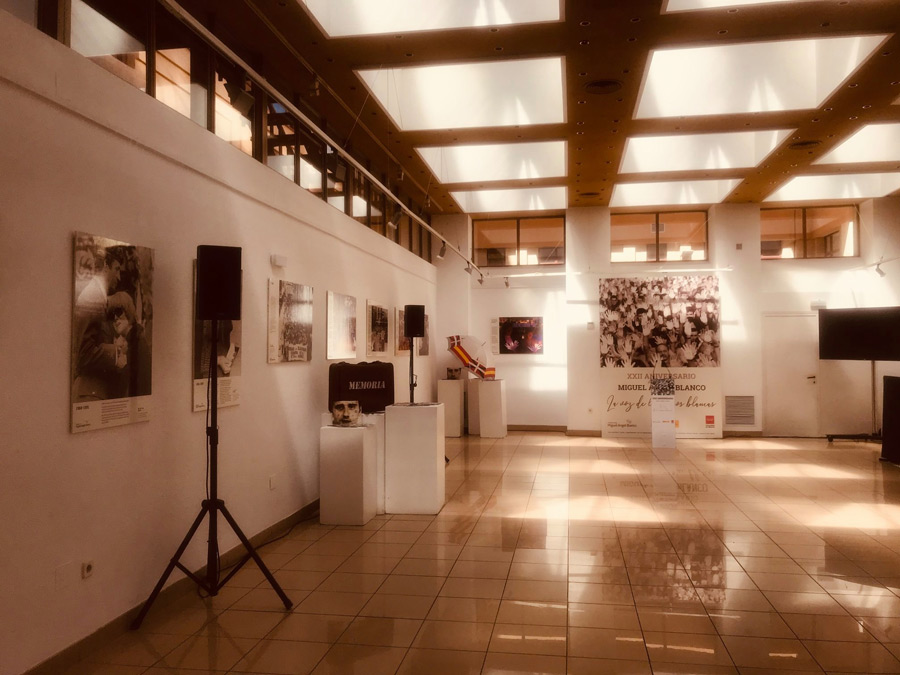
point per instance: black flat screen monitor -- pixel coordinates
(860, 334)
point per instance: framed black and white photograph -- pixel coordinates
(660, 322)
(112, 329)
(227, 362)
(290, 321)
(401, 344)
(521, 334)
(340, 324)
(377, 322)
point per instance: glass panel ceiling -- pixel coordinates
(530, 199)
(691, 5)
(752, 77)
(671, 193)
(488, 94)
(341, 18)
(872, 143)
(699, 151)
(501, 161)
(843, 186)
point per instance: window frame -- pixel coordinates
(518, 219)
(655, 227)
(803, 232)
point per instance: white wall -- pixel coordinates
(83, 151)
(535, 383)
(453, 288)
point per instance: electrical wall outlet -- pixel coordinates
(87, 569)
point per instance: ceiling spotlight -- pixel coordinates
(395, 220)
(879, 271)
(506, 281)
(443, 251)
(481, 279)
(468, 268)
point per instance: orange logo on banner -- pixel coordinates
(710, 419)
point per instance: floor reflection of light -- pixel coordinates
(683, 648)
(864, 516)
(783, 656)
(532, 637)
(800, 471)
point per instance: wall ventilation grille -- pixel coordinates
(740, 410)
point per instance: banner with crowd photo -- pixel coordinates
(663, 325)
(112, 320)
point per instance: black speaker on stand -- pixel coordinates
(218, 297)
(413, 327)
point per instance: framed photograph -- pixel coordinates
(660, 322)
(227, 360)
(290, 321)
(377, 321)
(521, 334)
(401, 344)
(112, 327)
(340, 324)
(423, 341)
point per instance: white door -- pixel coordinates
(791, 362)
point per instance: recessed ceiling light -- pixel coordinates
(341, 18)
(530, 199)
(694, 152)
(749, 77)
(844, 186)
(498, 161)
(672, 193)
(457, 96)
(872, 143)
(693, 5)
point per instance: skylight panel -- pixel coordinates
(690, 152)
(750, 77)
(672, 193)
(498, 161)
(488, 94)
(693, 5)
(341, 18)
(524, 199)
(837, 186)
(872, 143)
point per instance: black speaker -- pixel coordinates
(890, 420)
(414, 321)
(218, 282)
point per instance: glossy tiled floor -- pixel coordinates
(557, 554)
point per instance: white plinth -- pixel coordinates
(347, 475)
(377, 421)
(450, 394)
(662, 421)
(414, 458)
(492, 408)
(474, 415)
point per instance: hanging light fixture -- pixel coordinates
(443, 251)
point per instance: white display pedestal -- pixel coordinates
(474, 415)
(377, 421)
(450, 394)
(414, 458)
(662, 421)
(492, 408)
(346, 475)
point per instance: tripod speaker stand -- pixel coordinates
(220, 265)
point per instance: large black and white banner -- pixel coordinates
(666, 325)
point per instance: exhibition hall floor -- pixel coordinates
(559, 554)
